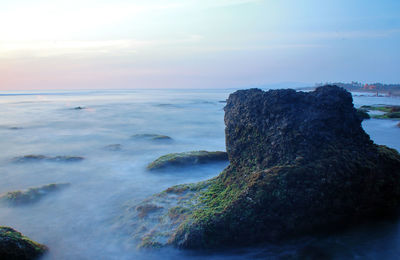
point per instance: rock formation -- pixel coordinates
(299, 163)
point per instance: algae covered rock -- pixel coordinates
(389, 111)
(39, 157)
(14, 245)
(187, 158)
(299, 163)
(17, 198)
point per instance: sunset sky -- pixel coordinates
(81, 44)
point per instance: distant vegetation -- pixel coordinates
(377, 88)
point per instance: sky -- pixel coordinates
(96, 44)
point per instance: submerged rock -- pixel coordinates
(299, 163)
(154, 137)
(14, 245)
(113, 147)
(187, 158)
(17, 198)
(38, 157)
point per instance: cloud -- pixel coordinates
(88, 48)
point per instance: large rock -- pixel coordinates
(15, 246)
(299, 163)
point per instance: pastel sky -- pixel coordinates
(81, 44)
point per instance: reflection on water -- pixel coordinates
(78, 222)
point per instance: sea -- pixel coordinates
(82, 220)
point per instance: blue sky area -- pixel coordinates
(71, 44)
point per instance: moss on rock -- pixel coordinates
(17, 198)
(187, 158)
(14, 245)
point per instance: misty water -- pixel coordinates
(82, 221)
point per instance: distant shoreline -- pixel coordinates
(376, 89)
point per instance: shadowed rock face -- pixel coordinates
(299, 163)
(277, 127)
(14, 245)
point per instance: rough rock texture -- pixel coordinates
(299, 163)
(187, 158)
(14, 245)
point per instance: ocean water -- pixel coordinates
(79, 222)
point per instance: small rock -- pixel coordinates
(17, 198)
(14, 245)
(113, 147)
(154, 137)
(39, 157)
(187, 158)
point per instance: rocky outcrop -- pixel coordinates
(187, 159)
(14, 245)
(299, 163)
(18, 198)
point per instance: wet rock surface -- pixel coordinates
(15, 246)
(187, 159)
(300, 163)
